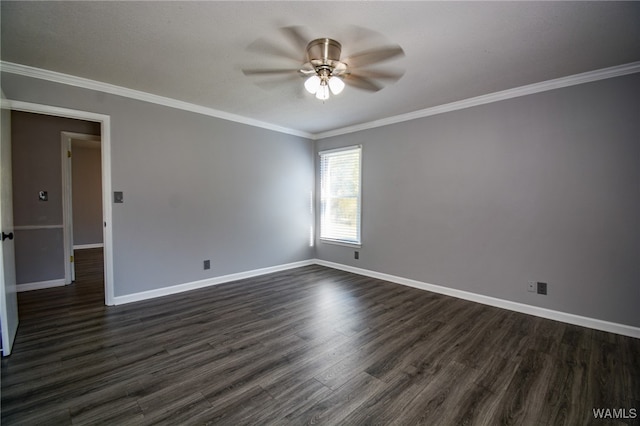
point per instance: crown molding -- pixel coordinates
(85, 83)
(530, 89)
(572, 80)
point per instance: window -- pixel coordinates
(340, 195)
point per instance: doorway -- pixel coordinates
(81, 197)
(105, 162)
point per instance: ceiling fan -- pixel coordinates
(323, 68)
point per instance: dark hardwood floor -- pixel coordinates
(306, 346)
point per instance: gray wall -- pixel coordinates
(195, 188)
(86, 171)
(544, 187)
(37, 166)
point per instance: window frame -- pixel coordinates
(336, 241)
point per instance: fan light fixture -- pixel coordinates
(320, 85)
(323, 71)
(323, 62)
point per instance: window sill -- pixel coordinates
(340, 243)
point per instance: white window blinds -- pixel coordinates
(340, 195)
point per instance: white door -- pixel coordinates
(8, 298)
(67, 210)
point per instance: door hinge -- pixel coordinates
(68, 154)
(71, 259)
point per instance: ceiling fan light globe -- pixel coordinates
(336, 85)
(312, 84)
(323, 92)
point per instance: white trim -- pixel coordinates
(86, 83)
(40, 285)
(107, 233)
(51, 110)
(339, 243)
(572, 80)
(179, 288)
(87, 246)
(530, 89)
(36, 227)
(82, 137)
(625, 330)
(105, 126)
(611, 327)
(337, 150)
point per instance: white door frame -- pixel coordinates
(105, 136)
(8, 299)
(67, 200)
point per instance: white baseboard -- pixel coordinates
(40, 285)
(87, 246)
(179, 288)
(625, 330)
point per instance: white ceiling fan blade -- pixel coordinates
(298, 36)
(363, 83)
(374, 56)
(250, 72)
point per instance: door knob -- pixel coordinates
(9, 236)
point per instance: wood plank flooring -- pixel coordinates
(306, 346)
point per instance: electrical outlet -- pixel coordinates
(207, 264)
(532, 286)
(542, 288)
(356, 255)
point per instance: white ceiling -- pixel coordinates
(195, 51)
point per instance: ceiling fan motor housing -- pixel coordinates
(324, 52)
